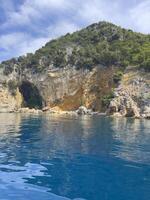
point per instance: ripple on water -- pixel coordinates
(82, 158)
(14, 182)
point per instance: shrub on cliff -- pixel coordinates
(117, 76)
(146, 65)
(107, 99)
(12, 86)
(101, 43)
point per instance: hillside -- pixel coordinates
(82, 68)
(102, 43)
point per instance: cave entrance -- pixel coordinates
(31, 95)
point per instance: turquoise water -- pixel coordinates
(79, 158)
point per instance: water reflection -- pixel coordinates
(132, 139)
(9, 123)
(59, 136)
(75, 157)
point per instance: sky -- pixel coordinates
(26, 25)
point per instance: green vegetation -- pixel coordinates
(117, 76)
(107, 99)
(12, 86)
(102, 43)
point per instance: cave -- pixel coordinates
(31, 95)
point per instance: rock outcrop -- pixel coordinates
(82, 110)
(9, 102)
(132, 97)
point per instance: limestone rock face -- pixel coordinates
(66, 88)
(132, 97)
(8, 102)
(125, 106)
(69, 89)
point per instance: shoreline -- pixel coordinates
(33, 111)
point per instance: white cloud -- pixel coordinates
(140, 16)
(37, 21)
(9, 40)
(7, 5)
(47, 3)
(97, 10)
(19, 43)
(34, 10)
(87, 12)
(21, 17)
(61, 28)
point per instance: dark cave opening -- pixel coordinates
(31, 95)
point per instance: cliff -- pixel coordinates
(132, 96)
(65, 88)
(87, 68)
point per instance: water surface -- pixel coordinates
(74, 158)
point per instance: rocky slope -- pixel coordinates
(132, 96)
(87, 68)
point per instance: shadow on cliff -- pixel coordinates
(31, 95)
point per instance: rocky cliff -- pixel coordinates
(88, 68)
(132, 96)
(65, 88)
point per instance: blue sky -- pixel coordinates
(26, 25)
